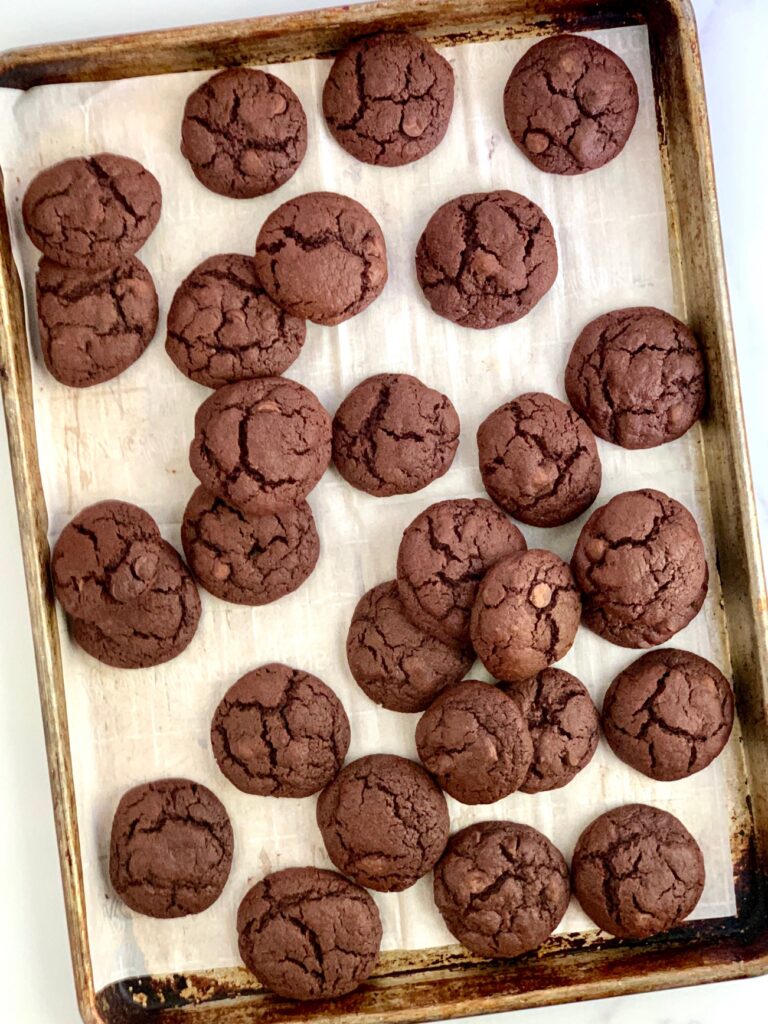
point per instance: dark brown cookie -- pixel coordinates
(502, 888)
(171, 848)
(539, 460)
(637, 376)
(637, 871)
(443, 555)
(388, 98)
(92, 212)
(261, 445)
(526, 614)
(476, 743)
(244, 133)
(153, 629)
(639, 563)
(280, 732)
(563, 723)
(322, 256)
(223, 327)
(570, 104)
(309, 934)
(668, 714)
(384, 822)
(486, 258)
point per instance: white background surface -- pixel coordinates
(33, 942)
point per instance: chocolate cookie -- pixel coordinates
(94, 323)
(443, 555)
(223, 327)
(388, 98)
(476, 743)
(570, 104)
(394, 435)
(637, 376)
(280, 732)
(384, 822)
(261, 445)
(322, 256)
(526, 614)
(309, 934)
(485, 259)
(668, 714)
(637, 871)
(92, 212)
(502, 888)
(151, 630)
(539, 460)
(251, 560)
(563, 723)
(244, 133)
(639, 563)
(171, 848)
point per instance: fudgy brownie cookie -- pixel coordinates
(261, 445)
(639, 563)
(171, 848)
(223, 327)
(476, 743)
(637, 376)
(384, 822)
(394, 435)
(668, 714)
(244, 133)
(486, 258)
(322, 256)
(388, 98)
(637, 871)
(502, 888)
(309, 934)
(280, 732)
(539, 460)
(525, 615)
(92, 212)
(570, 104)
(443, 555)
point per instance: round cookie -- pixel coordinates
(384, 822)
(244, 133)
(388, 98)
(563, 723)
(92, 212)
(668, 714)
(570, 104)
(485, 259)
(251, 560)
(443, 555)
(394, 435)
(476, 743)
(223, 327)
(637, 871)
(155, 628)
(171, 848)
(280, 732)
(526, 614)
(539, 460)
(261, 445)
(309, 934)
(502, 888)
(94, 324)
(637, 376)
(639, 564)
(322, 256)
(395, 663)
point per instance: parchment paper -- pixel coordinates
(129, 439)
